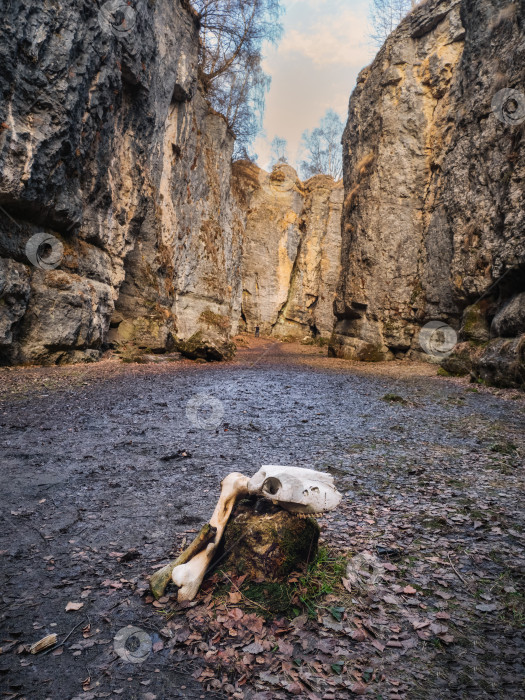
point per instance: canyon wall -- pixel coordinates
(434, 211)
(291, 257)
(117, 223)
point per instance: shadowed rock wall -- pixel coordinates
(110, 153)
(434, 215)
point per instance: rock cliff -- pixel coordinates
(117, 223)
(291, 257)
(434, 211)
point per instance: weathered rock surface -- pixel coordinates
(291, 257)
(434, 213)
(108, 147)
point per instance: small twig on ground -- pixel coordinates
(47, 651)
(457, 572)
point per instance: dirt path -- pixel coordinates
(107, 468)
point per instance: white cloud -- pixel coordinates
(342, 40)
(314, 68)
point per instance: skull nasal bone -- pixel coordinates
(272, 486)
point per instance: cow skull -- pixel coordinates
(300, 491)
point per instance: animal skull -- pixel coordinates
(301, 491)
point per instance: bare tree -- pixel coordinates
(230, 70)
(279, 152)
(323, 149)
(385, 15)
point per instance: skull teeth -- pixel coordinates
(303, 516)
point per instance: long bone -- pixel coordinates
(189, 576)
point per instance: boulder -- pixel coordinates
(502, 362)
(474, 325)
(510, 320)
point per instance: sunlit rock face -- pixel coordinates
(107, 147)
(292, 244)
(434, 210)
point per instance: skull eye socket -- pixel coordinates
(315, 489)
(271, 486)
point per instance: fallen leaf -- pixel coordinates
(358, 635)
(74, 606)
(487, 607)
(358, 689)
(420, 624)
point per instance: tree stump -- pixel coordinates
(267, 543)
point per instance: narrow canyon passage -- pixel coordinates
(108, 468)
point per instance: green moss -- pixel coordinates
(213, 319)
(395, 398)
(474, 326)
(506, 448)
(197, 347)
(417, 292)
(304, 593)
(319, 341)
(298, 549)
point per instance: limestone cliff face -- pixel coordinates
(108, 149)
(291, 258)
(434, 215)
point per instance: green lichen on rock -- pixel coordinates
(212, 319)
(474, 326)
(371, 353)
(463, 359)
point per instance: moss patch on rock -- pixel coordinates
(198, 347)
(474, 326)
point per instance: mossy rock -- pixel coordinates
(269, 545)
(462, 360)
(198, 347)
(474, 326)
(371, 353)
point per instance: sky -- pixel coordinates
(314, 67)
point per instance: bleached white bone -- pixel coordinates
(189, 576)
(295, 489)
(301, 491)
